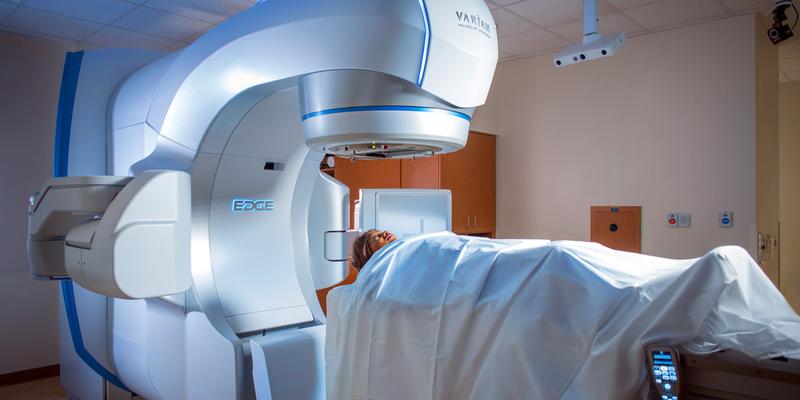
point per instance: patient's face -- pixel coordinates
(378, 239)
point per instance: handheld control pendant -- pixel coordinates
(663, 366)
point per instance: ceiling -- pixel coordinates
(525, 27)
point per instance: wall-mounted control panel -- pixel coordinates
(726, 219)
(679, 220)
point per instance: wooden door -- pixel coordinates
(363, 174)
(617, 227)
(470, 176)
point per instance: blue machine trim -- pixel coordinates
(68, 293)
(386, 108)
(426, 46)
(66, 104)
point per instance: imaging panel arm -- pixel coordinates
(137, 247)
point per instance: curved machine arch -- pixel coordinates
(248, 110)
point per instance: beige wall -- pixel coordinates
(668, 123)
(790, 191)
(30, 74)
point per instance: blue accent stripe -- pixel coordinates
(68, 293)
(426, 46)
(66, 104)
(386, 108)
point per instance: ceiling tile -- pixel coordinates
(176, 46)
(675, 12)
(790, 65)
(51, 24)
(790, 49)
(623, 4)
(609, 24)
(749, 5)
(214, 11)
(160, 23)
(551, 12)
(509, 23)
(793, 76)
(6, 9)
(103, 11)
(192, 38)
(506, 2)
(6, 28)
(117, 37)
(531, 42)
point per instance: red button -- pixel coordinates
(672, 221)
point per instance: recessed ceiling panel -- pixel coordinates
(609, 23)
(102, 11)
(551, 12)
(51, 24)
(509, 23)
(738, 6)
(159, 23)
(664, 14)
(117, 37)
(214, 11)
(531, 42)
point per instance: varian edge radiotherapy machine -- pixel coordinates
(189, 205)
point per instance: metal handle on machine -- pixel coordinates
(337, 244)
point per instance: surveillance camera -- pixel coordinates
(779, 31)
(602, 46)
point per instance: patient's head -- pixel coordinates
(367, 244)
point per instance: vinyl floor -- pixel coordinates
(42, 389)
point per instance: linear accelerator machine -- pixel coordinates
(188, 205)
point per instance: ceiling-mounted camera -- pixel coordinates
(594, 44)
(779, 31)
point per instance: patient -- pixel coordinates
(367, 244)
(474, 318)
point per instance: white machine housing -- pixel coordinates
(125, 238)
(244, 113)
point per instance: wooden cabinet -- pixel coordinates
(468, 173)
(470, 176)
(617, 227)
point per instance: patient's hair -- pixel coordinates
(362, 249)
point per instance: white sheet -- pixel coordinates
(447, 317)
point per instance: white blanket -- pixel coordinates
(442, 316)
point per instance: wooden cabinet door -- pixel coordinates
(420, 173)
(372, 174)
(619, 228)
(483, 154)
(470, 176)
